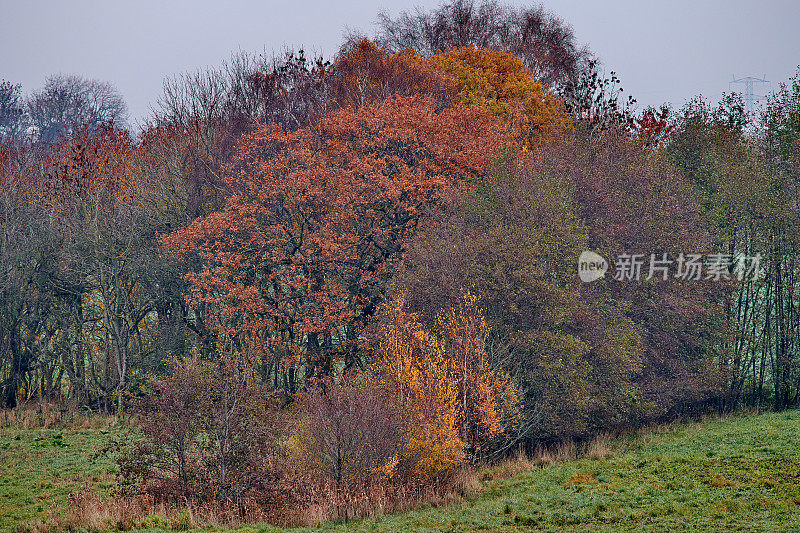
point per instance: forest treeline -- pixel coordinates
(309, 273)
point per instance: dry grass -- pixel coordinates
(543, 456)
(91, 513)
(581, 478)
(512, 466)
(601, 447)
(718, 480)
(557, 453)
(52, 416)
(381, 499)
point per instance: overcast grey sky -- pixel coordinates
(663, 51)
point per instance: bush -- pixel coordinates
(208, 433)
(347, 443)
(352, 433)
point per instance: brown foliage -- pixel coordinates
(366, 74)
(351, 432)
(209, 433)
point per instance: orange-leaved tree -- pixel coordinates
(297, 261)
(500, 82)
(654, 127)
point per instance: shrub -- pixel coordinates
(352, 432)
(207, 432)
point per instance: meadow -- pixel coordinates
(733, 473)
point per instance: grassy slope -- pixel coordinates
(738, 473)
(735, 473)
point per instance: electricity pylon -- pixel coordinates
(750, 97)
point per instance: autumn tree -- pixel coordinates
(585, 356)
(514, 241)
(487, 396)
(455, 406)
(780, 145)
(413, 368)
(500, 82)
(654, 127)
(190, 140)
(745, 173)
(710, 149)
(633, 201)
(364, 74)
(298, 259)
(289, 89)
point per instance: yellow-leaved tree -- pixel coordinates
(501, 83)
(452, 402)
(487, 398)
(413, 367)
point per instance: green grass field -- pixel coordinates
(39, 468)
(740, 473)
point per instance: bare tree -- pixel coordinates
(66, 102)
(544, 42)
(212, 108)
(598, 103)
(353, 431)
(11, 110)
